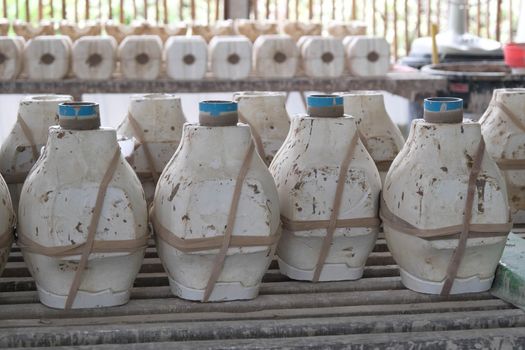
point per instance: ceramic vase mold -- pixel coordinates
(82, 219)
(328, 189)
(230, 57)
(297, 29)
(208, 31)
(445, 209)
(340, 30)
(28, 31)
(140, 57)
(503, 128)
(76, 31)
(381, 137)
(7, 222)
(154, 122)
(94, 57)
(367, 55)
(216, 210)
(323, 57)
(11, 57)
(275, 56)
(252, 28)
(48, 57)
(21, 148)
(266, 114)
(186, 57)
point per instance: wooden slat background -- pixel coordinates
(400, 21)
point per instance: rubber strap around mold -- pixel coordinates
(140, 137)
(5, 238)
(207, 243)
(512, 116)
(448, 232)
(92, 228)
(29, 136)
(256, 137)
(341, 181)
(117, 246)
(457, 256)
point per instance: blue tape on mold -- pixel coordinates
(216, 108)
(77, 109)
(443, 104)
(324, 100)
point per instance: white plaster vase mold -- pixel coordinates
(11, 57)
(445, 211)
(265, 112)
(216, 210)
(381, 137)
(503, 127)
(82, 219)
(186, 57)
(328, 188)
(21, 148)
(154, 122)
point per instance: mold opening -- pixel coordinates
(94, 60)
(189, 59)
(327, 57)
(372, 56)
(142, 58)
(279, 57)
(47, 58)
(233, 58)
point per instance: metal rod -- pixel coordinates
(310, 9)
(267, 7)
(287, 12)
(296, 10)
(51, 9)
(87, 10)
(64, 10)
(166, 13)
(418, 18)
(145, 9)
(354, 10)
(216, 10)
(17, 9)
(333, 9)
(4, 4)
(193, 10)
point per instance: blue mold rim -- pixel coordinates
(216, 108)
(443, 104)
(324, 100)
(78, 109)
